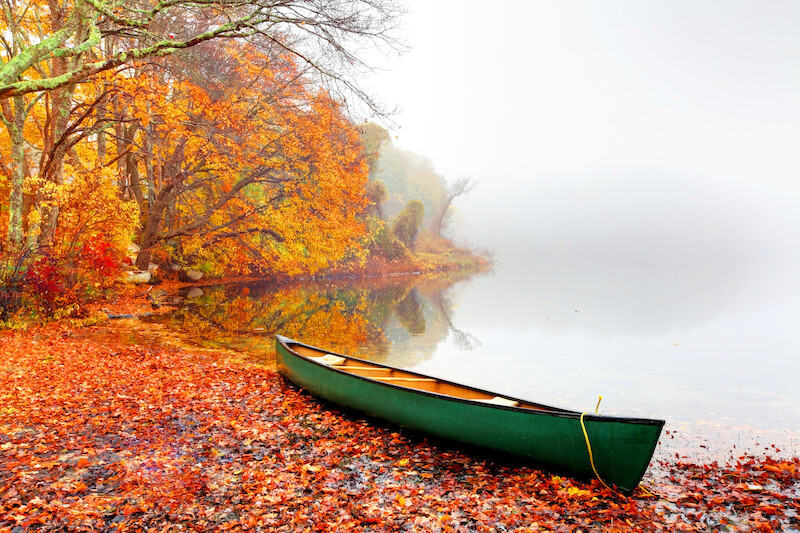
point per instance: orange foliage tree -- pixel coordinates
(251, 171)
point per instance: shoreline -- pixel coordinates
(124, 299)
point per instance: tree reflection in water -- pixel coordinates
(462, 339)
(362, 317)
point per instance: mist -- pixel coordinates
(637, 216)
(609, 129)
(636, 253)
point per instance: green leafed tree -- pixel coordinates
(377, 195)
(373, 137)
(408, 223)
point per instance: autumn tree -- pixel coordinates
(323, 33)
(460, 187)
(48, 49)
(245, 168)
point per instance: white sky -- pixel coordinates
(570, 85)
(516, 91)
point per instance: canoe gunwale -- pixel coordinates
(540, 409)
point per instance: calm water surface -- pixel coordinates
(714, 351)
(709, 344)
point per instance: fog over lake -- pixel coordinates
(634, 214)
(672, 297)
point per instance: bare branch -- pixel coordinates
(326, 35)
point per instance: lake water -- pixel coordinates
(714, 351)
(708, 343)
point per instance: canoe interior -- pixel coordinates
(411, 380)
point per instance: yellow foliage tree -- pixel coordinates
(255, 174)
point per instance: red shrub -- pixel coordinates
(46, 280)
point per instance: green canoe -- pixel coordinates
(617, 450)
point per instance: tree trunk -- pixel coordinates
(101, 134)
(147, 145)
(56, 145)
(132, 170)
(119, 137)
(15, 202)
(60, 111)
(152, 227)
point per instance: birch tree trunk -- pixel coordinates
(14, 119)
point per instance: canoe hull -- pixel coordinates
(621, 447)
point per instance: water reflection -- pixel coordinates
(708, 342)
(397, 318)
(443, 304)
(410, 314)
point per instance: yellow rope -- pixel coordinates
(591, 457)
(644, 489)
(589, 446)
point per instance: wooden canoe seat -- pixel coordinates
(329, 359)
(376, 368)
(499, 400)
(416, 380)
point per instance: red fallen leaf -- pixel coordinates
(248, 522)
(752, 487)
(769, 509)
(715, 502)
(128, 510)
(747, 501)
(763, 527)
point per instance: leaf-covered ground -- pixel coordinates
(98, 434)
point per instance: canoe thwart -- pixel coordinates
(415, 380)
(347, 367)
